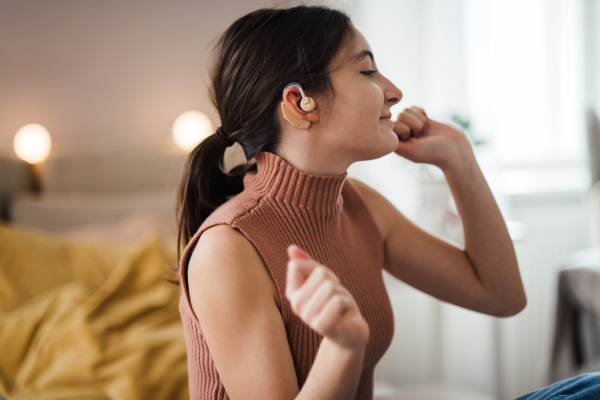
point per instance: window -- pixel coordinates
(514, 68)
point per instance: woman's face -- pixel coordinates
(357, 119)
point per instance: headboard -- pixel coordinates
(90, 187)
(15, 177)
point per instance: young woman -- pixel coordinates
(281, 278)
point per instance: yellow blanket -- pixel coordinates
(88, 321)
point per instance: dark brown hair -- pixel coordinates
(256, 57)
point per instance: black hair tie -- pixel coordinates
(223, 137)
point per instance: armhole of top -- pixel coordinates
(185, 271)
(184, 266)
(185, 261)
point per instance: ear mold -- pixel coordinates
(306, 104)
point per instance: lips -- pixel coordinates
(387, 119)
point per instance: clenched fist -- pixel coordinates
(319, 299)
(424, 140)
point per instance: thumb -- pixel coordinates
(298, 270)
(295, 253)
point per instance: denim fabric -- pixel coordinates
(581, 387)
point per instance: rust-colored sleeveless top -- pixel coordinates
(325, 216)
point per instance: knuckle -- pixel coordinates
(293, 264)
(338, 301)
(321, 272)
(330, 275)
(295, 301)
(305, 316)
(320, 326)
(329, 287)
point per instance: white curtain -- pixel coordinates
(514, 68)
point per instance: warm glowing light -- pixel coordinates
(190, 128)
(32, 143)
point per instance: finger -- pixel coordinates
(413, 119)
(402, 130)
(304, 293)
(317, 301)
(295, 252)
(327, 321)
(408, 148)
(297, 273)
(419, 110)
(422, 115)
(425, 130)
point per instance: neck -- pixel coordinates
(312, 158)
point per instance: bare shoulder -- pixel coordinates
(368, 194)
(383, 211)
(225, 264)
(220, 244)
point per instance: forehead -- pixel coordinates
(360, 41)
(355, 50)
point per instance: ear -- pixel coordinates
(293, 113)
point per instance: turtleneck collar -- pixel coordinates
(278, 179)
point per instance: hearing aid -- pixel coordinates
(306, 104)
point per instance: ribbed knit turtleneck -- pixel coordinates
(325, 216)
(278, 180)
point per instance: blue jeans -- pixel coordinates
(582, 387)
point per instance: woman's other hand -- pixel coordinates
(424, 140)
(319, 299)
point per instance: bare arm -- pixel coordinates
(482, 276)
(236, 302)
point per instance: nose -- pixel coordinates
(393, 95)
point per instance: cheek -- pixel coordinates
(359, 110)
(367, 107)
(372, 101)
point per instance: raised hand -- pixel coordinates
(319, 299)
(424, 140)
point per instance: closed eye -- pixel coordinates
(370, 73)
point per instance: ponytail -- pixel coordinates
(204, 186)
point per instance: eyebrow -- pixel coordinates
(363, 54)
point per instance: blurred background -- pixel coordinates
(107, 80)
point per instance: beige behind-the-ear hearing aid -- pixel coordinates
(306, 104)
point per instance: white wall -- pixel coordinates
(592, 52)
(100, 68)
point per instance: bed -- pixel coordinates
(86, 306)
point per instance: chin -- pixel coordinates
(380, 152)
(393, 143)
(379, 144)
